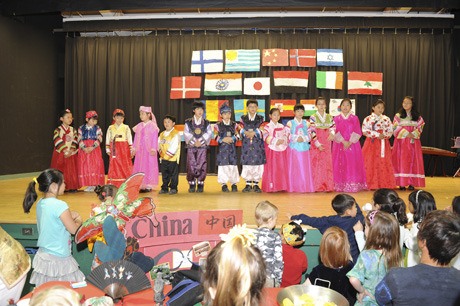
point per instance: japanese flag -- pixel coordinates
(257, 86)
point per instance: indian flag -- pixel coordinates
(310, 106)
(365, 83)
(329, 79)
(223, 84)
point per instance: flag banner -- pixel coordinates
(275, 57)
(242, 60)
(329, 57)
(212, 111)
(290, 81)
(257, 86)
(227, 84)
(207, 61)
(334, 106)
(310, 106)
(188, 87)
(286, 107)
(302, 57)
(239, 105)
(365, 83)
(329, 79)
(180, 129)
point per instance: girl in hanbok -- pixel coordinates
(119, 147)
(65, 150)
(90, 164)
(321, 150)
(378, 129)
(145, 148)
(407, 149)
(275, 138)
(298, 153)
(347, 158)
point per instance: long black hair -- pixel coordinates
(423, 202)
(44, 181)
(390, 202)
(413, 112)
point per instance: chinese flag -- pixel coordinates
(275, 57)
(188, 87)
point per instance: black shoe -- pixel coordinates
(256, 188)
(173, 191)
(234, 188)
(145, 190)
(225, 188)
(247, 188)
(410, 187)
(402, 188)
(71, 190)
(192, 188)
(200, 188)
(163, 191)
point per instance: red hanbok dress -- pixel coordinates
(90, 165)
(407, 152)
(64, 155)
(118, 144)
(377, 152)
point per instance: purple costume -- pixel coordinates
(194, 132)
(253, 150)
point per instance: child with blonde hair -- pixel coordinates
(336, 262)
(235, 270)
(269, 242)
(381, 253)
(56, 296)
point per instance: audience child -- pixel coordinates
(226, 134)
(321, 151)
(292, 235)
(433, 281)
(14, 266)
(407, 150)
(378, 129)
(348, 214)
(253, 150)
(381, 253)
(420, 204)
(119, 147)
(235, 270)
(334, 252)
(169, 144)
(388, 200)
(65, 149)
(145, 148)
(347, 158)
(298, 153)
(55, 222)
(56, 296)
(276, 142)
(455, 208)
(105, 194)
(269, 242)
(90, 164)
(197, 134)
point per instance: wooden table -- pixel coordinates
(435, 154)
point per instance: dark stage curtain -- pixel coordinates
(104, 73)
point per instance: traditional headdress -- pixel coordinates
(225, 109)
(148, 109)
(118, 111)
(91, 114)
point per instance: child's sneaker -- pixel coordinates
(163, 191)
(173, 191)
(192, 188)
(200, 188)
(234, 188)
(247, 188)
(256, 188)
(225, 188)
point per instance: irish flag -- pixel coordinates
(329, 79)
(291, 81)
(227, 84)
(365, 83)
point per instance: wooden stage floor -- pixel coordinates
(315, 204)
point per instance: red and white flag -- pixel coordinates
(257, 86)
(365, 83)
(290, 81)
(302, 57)
(188, 87)
(275, 57)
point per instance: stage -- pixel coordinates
(13, 187)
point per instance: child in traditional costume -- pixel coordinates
(169, 144)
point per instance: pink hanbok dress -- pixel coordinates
(298, 157)
(407, 152)
(321, 161)
(146, 146)
(275, 176)
(347, 164)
